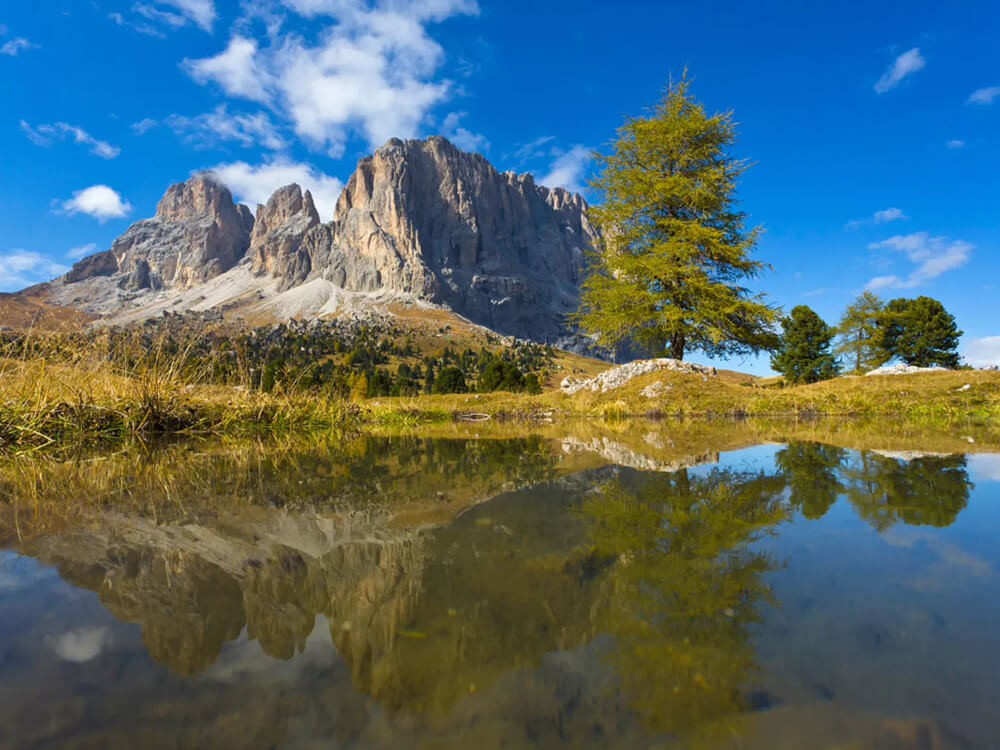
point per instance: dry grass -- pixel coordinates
(96, 396)
(938, 397)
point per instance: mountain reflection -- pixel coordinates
(663, 570)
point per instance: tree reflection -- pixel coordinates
(687, 587)
(922, 491)
(810, 471)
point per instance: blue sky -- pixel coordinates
(873, 127)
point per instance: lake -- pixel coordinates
(638, 585)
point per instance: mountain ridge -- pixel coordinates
(418, 221)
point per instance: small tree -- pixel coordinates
(803, 355)
(860, 334)
(450, 380)
(674, 250)
(919, 332)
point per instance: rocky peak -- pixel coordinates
(199, 197)
(197, 233)
(279, 229)
(444, 225)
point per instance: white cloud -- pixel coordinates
(210, 128)
(907, 63)
(235, 70)
(142, 28)
(984, 96)
(933, 256)
(152, 19)
(43, 135)
(567, 170)
(984, 467)
(371, 73)
(532, 150)
(879, 217)
(255, 184)
(982, 352)
(461, 137)
(81, 645)
(98, 201)
(82, 251)
(21, 268)
(202, 12)
(955, 144)
(16, 46)
(888, 214)
(421, 10)
(159, 16)
(143, 125)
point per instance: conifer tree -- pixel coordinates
(674, 251)
(920, 332)
(860, 334)
(803, 356)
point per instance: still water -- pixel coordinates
(656, 588)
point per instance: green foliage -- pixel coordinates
(673, 249)
(688, 588)
(860, 335)
(450, 380)
(810, 473)
(927, 490)
(498, 375)
(803, 355)
(920, 332)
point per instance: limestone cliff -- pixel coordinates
(419, 218)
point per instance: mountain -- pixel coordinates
(418, 221)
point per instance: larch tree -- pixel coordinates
(859, 333)
(674, 251)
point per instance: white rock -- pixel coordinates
(655, 389)
(619, 376)
(902, 369)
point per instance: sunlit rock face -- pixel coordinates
(197, 234)
(278, 245)
(446, 226)
(419, 218)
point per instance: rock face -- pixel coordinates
(98, 264)
(197, 234)
(281, 226)
(447, 227)
(418, 218)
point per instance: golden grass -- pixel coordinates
(938, 396)
(109, 398)
(51, 397)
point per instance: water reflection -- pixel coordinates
(811, 473)
(686, 588)
(919, 491)
(448, 578)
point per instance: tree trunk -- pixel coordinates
(677, 345)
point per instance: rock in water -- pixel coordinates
(197, 234)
